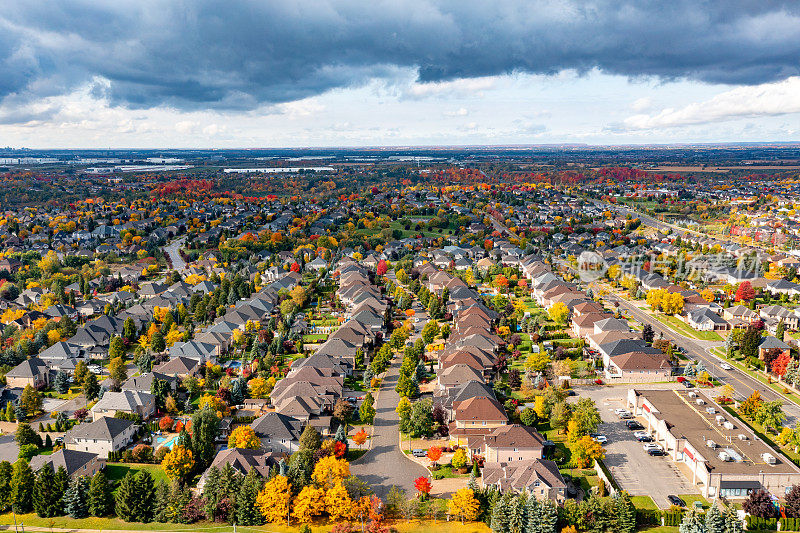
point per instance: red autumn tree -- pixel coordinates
(423, 486)
(382, 267)
(295, 267)
(339, 449)
(780, 364)
(166, 423)
(434, 454)
(745, 292)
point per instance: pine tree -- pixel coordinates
(145, 490)
(548, 516)
(101, 502)
(125, 498)
(341, 435)
(91, 387)
(715, 522)
(519, 514)
(61, 383)
(46, 499)
(6, 473)
(247, 513)
(625, 513)
(533, 510)
(22, 483)
(61, 482)
(691, 524)
(732, 522)
(205, 426)
(76, 498)
(230, 482)
(501, 515)
(161, 511)
(310, 439)
(210, 491)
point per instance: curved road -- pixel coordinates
(172, 251)
(384, 464)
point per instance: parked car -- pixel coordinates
(656, 452)
(602, 439)
(633, 425)
(624, 414)
(688, 384)
(674, 500)
(641, 436)
(419, 452)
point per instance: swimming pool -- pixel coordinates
(169, 442)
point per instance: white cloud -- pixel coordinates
(301, 108)
(768, 99)
(460, 112)
(471, 86)
(641, 104)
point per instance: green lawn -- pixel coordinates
(116, 471)
(315, 338)
(644, 502)
(691, 498)
(685, 329)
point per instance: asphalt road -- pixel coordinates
(171, 250)
(384, 464)
(743, 384)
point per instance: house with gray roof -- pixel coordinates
(76, 463)
(101, 437)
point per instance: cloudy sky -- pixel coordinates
(273, 73)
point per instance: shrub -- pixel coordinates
(160, 454)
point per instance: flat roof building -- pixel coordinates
(724, 456)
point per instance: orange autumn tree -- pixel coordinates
(360, 438)
(434, 454)
(274, 499)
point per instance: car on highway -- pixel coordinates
(602, 439)
(633, 425)
(674, 500)
(642, 436)
(726, 366)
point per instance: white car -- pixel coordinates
(726, 366)
(642, 436)
(602, 439)
(651, 446)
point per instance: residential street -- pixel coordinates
(172, 251)
(741, 382)
(384, 464)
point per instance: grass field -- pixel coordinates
(685, 329)
(315, 338)
(110, 524)
(691, 498)
(644, 502)
(117, 471)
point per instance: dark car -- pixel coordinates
(674, 500)
(688, 384)
(656, 452)
(633, 425)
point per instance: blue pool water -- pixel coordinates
(169, 442)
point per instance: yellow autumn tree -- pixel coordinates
(330, 471)
(309, 504)
(273, 500)
(244, 437)
(338, 504)
(178, 462)
(258, 388)
(463, 505)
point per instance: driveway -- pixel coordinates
(384, 464)
(634, 470)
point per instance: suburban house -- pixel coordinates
(33, 372)
(704, 319)
(102, 436)
(76, 463)
(278, 433)
(475, 417)
(511, 443)
(536, 477)
(131, 402)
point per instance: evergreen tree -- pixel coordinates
(237, 394)
(22, 483)
(161, 511)
(518, 518)
(210, 491)
(61, 383)
(310, 439)
(732, 522)
(6, 473)
(61, 482)
(501, 515)
(145, 491)
(46, 499)
(691, 524)
(125, 498)
(205, 426)
(101, 502)
(341, 435)
(715, 521)
(247, 513)
(548, 516)
(625, 513)
(76, 498)
(230, 483)
(533, 510)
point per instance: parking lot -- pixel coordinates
(635, 470)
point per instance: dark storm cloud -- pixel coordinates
(240, 54)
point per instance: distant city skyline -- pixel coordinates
(345, 74)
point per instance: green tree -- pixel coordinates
(586, 415)
(157, 342)
(422, 418)
(46, 498)
(91, 387)
(100, 499)
(367, 409)
(715, 521)
(625, 513)
(31, 401)
(26, 435)
(205, 426)
(310, 439)
(117, 370)
(559, 416)
(6, 473)
(125, 498)
(247, 513)
(116, 348)
(61, 383)
(22, 482)
(129, 329)
(501, 514)
(76, 499)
